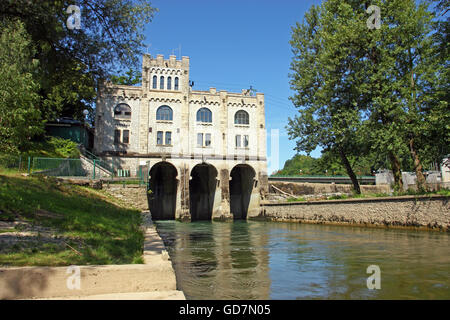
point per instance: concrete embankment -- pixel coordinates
(422, 212)
(299, 188)
(153, 280)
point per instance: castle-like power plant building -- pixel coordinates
(204, 151)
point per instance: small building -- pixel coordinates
(205, 151)
(71, 129)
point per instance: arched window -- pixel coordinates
(164, 113)
(169, 83)
(204, 115)
(241, 117)
(155, 85)
(176, 83)
(122, 110)
(161, 83)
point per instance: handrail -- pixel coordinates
(87, 153)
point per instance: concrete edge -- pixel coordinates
(155, 279)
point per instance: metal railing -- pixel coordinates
(15, 162)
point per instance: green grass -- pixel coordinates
(102, 229)
(127, 182)
(7, 230)
(292, 199)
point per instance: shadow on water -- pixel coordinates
(273, 260)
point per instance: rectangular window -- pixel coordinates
(116, 136)
(238, 141)
(245, 141)
(168, 138)
(126, 136)
(199, 139)
(207, 139)
(159, 138)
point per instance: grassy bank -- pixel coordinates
(44, 222)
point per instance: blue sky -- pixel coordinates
(233, 45)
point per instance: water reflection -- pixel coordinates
(267, 260)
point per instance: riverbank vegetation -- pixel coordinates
(51, 69)
(45, 222)
(373, 96)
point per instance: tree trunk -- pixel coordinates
(420, 178)
(350, 172)
(396, 171)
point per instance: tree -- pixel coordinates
(403, 76)
(74, 61)
(20, 118)
(130, 78)
(327, 78)
(298, 165)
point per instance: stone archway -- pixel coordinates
(241, 187)
(202, 190)
(163, 196)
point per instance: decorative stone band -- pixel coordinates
(125, 154)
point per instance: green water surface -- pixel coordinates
(274, 260)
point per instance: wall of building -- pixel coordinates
(221, 204)
(183, 152)
(431, 212)
(435, 180)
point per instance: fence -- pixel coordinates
(84, 167)
(15, 162)
(61, 167)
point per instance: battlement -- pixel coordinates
(149, 62)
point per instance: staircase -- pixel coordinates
(91, 161)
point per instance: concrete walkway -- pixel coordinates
(153, 280)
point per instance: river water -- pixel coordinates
(276, 260)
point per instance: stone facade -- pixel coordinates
(428, 212)
(201, 148)
(300, 188)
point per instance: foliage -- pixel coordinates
(73, 62)
(19, 115)
(299, 165)
(327, 81)
(64, 148)
(372, 97)
(130, 78)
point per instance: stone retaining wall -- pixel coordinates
(298, 188)
(427, 212)
(135, 195)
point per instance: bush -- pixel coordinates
(64, 147)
